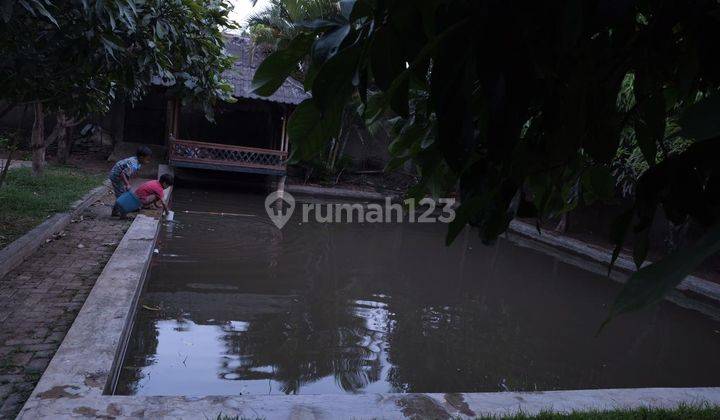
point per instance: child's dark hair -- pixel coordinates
(167, 179)
(143, 151)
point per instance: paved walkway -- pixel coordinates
(40, 299)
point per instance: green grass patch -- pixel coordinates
(27, 200)
(683, 412)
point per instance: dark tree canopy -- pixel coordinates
(80, 55)
(519, 105)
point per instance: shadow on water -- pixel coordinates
(235, 306)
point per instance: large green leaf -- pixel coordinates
(618, 232)
(650, 124)
(701, 121)
(651, 283)
(273, 71)
(333, 82)
(641, 246)
(409, 135)
(451, 96)
(467, 210)
(346, 8)
(386, 57)
(329, 43)
(599, 182)
(318, 24)
(309, 130)
(358, 9)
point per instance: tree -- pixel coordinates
(516, 105)
(77, 57)
(275, 25)
(9, 142)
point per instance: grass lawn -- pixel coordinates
(25, 200)
(685, 412)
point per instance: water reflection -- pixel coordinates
(320, 335)
(234, 306)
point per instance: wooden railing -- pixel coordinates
(225, 156)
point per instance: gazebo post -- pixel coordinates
(176, 118)
(283, 148)
(284, 139)
(172, 117)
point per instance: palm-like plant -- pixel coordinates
(275, 24)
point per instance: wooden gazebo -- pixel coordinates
(249, 135)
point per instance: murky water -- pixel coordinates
(234, 306)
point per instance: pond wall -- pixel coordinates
(82, 372)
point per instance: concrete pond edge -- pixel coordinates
(20, 249)
(84, 369)
(333, 192)
(368, 406)
(692, 287)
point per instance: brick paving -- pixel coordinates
(40, 299)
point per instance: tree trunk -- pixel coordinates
(5, 168)
(63, 133)
(7, 109)
(339, 144)
(12, 147)
(37, 140)
(63, 137)
(64, 146)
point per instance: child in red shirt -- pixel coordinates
(153, 191)
(150, 192)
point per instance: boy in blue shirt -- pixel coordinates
(124, 169)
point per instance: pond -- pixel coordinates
(234, 306)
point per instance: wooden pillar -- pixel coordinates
(176, 118)
(172, 119)
(169, 114)
(285, 141)
(282, 134)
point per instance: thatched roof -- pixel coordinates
(249, 56)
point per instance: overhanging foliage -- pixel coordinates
(519, 104)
